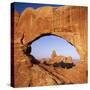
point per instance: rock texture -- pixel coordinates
(68, 22)
(57, 59)
(53, 55)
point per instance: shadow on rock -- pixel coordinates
(64, 65)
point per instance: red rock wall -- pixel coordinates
(68, 22)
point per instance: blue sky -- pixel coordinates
(43, 47)
(21, 6)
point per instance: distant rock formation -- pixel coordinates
(68, 59)
(53, 55)
(59, 58)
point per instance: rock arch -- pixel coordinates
(68, 22)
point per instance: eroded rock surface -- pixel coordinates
(68, 22)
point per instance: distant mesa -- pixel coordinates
(59, 60)
(56, 59)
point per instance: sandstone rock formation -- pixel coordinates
(68, 22)
(53, 55)
(68, 59)
(59, 58)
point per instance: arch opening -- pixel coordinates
(52, 49)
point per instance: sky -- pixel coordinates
(43, 47)
(21, 6)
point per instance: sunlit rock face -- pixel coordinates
(68, 59)
(59, 58)
(68, 22)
